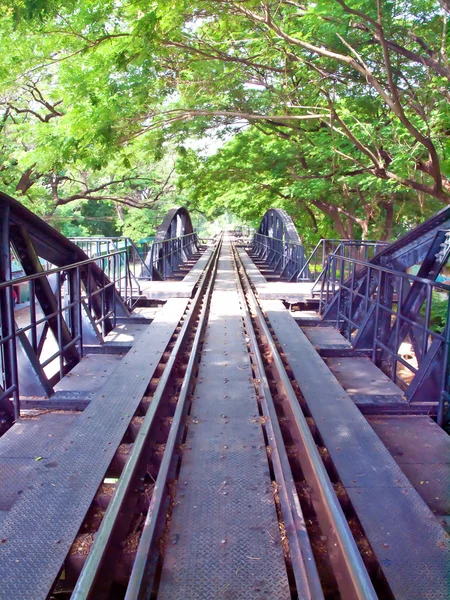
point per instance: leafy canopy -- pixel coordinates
(336, 110)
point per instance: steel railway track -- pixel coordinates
(120, 549)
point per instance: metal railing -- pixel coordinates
(166, 256)
(144, 246)
(99, 246)
(41, 342)
(283, 257)
(314, 266)
(378, 309)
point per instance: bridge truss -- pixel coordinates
(218, 442)
(75, 293)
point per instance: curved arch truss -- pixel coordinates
(175, 243)
(278, 244)
(54, 302)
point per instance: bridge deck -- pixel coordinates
(62, 478)
(422, 450)
(399, 517)
(280, 290)
(224, 517)
(163, 290)
(224, 533)
(410, 544)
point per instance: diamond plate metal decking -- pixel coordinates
(409, 542)
(38, 529)
(224, 540)
(422, 450)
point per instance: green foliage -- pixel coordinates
(439, 311)
(84, 218)
(301, 110)
(140, 223)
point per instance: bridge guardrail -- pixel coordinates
(78, 306)
(378, 309)
(100, 246)
(285, 257)
(289, 260)
(314, 266)
(167, 255)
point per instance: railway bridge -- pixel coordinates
(224, 418)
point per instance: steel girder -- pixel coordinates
(67, 305)
(278, 224)
(175, 242)
(279, 245)
(378, 306)
(404, 253)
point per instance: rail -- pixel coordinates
(286, 258)
(141, 583)
(381, 309)
(89, 578)
(167, 255)
(354, 579)
(40, 337)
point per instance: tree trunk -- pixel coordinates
(388, 220)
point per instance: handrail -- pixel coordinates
(336, 246)
(290, 254)
(92, 245)
(47, 272)
(166, 255)
(444, 286)
(81, 301)
(377, 308)
(284, 256)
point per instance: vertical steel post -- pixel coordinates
(7, 323)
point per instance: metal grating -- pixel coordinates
(38, 530)
(224, 540)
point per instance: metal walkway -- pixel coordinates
(216, 444)
(61, 481)
(224, 539)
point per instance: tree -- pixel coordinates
(351, 97)
(251, 173)
(59, 107)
